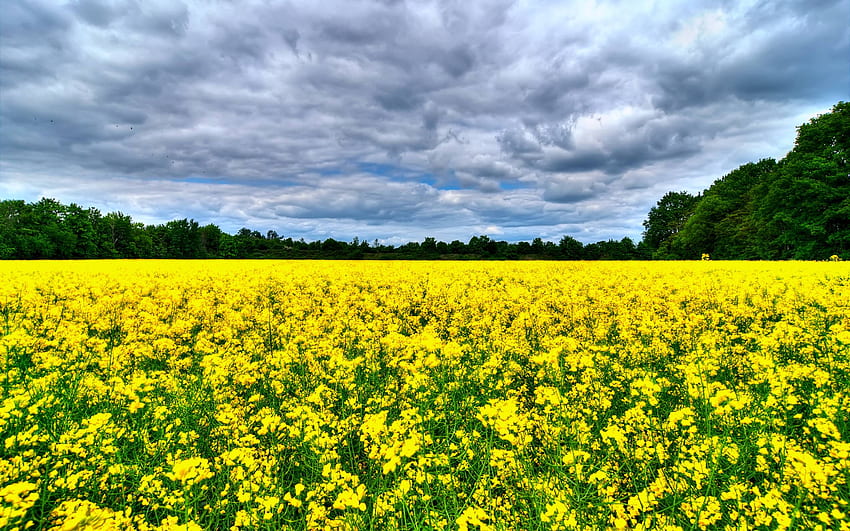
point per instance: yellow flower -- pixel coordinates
(190, 471)
(474, 516)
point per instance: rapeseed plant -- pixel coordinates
(473, 396)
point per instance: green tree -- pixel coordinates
(722, 223)
(666, 219)
(537, 246)
(82, 223)
(457, 247)
(210, 239)
(805, 210)
(183, 239)
(37, 230)
(624, 249)
(570, 248)
(10, 215)
(482, 246)
(428, 247)
(115, 236)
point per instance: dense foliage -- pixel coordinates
(50, 229)
(272, 395)
(796, 208)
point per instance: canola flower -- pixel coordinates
(168, 395)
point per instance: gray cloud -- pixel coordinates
(95, 12)
(291, 36)
(789, 50)
(396, 119)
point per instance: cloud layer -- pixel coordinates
(399, 120)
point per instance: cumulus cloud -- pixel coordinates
(396, 119)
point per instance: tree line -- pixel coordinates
(48, 229)
(796, 208)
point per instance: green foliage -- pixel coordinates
(805, 213)
(721, 224)
(666, 219)
(797, 208)
(570, 248)
(50, 230)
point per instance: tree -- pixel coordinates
(428, 247)
(228, 246)
(35, 230)
(722, 223)
(537, 246)
(457, 247)
(180, 238)
(332, 246)
(482, 246)
(82, 223)
(115, 236)
(10, 214)
(627, 250)
(49, 222)
(666, 219)
(523, 248)
(611, 250)
(796, 208)
(805, 210)
(570, 248)
(211, 237)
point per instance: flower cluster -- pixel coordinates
(236, 395)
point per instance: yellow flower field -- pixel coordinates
(158, 395)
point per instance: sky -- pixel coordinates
(397, 120)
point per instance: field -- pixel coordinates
(158, 395)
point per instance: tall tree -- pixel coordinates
(428, 247)
(722, 223)
(10, 215)
(570, 248)
(183, 239)
(666, 219)
(806, 209)
(82, 223)
(115, 236)
(211, 239)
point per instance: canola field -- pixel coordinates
(166, 395)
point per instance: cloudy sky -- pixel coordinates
(397, 119)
